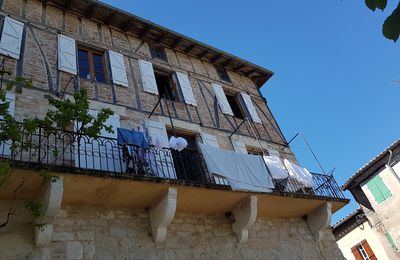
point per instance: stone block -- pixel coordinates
(74, 250)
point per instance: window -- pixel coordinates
(166, 85)
(91, 65)
(378, 189)
(223, 75)
(363, 251)
(255, 151)
(234, 104)
(158, 53)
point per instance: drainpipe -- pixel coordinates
(390, 167)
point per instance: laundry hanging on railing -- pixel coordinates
(132, 137)
(298, 173)
(242, 171)
(276, 167)
(177, 143)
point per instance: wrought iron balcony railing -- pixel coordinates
(65, 150)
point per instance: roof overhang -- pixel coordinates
(159, 35)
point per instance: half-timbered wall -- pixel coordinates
(38, 60)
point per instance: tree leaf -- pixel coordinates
(373, 4)
(391, 26)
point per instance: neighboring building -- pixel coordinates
(165, 205)
(376, 189)
(357, 239)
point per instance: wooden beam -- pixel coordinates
(176, 42)
(204, 53)
(160, 38)
(226, 63)
(241, 66)
(91, 11)
(251, 72)
(190, 48)
(109, 18)
(127, 25)
(145, 31)
(216, 58)
(67, 4)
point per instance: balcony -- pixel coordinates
(97, 171)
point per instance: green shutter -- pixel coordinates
(391, 241)
(378, 189)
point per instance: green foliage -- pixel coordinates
(47, 177)
(75, 112)
(36, 208)
(19, 81)
(391, 26)
(5, 170)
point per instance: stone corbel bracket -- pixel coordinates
(320, 219)
(51, 199)
(162, 214)
(245, 214)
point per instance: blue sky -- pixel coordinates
(334, 70)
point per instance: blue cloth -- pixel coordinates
(130, 137)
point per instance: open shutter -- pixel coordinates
(186, 89)
(11, 38)
(382, 187)
(118, 69)
(66, 54)
(356, 254)
(160, 160)
(148, 78)
(239, 147)
(222, 100)
(250, 107)
(368, 250)
(5, 147)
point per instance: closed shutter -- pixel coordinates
(222, 100)
(101, 154)
(378, 189)
(11, 38)
(118, 69)
(66, 54)
(186, 89)
(356, 254)
(5, 147)
(160, 160)
(250, 107)
(368, 250)
(148, 78)
(239, 146)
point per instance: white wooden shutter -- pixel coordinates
(161, 162)
(5, 147)
(222, 100)
(148, 77)
(186, 89)
(273, 152)
(250, 107)
(239, 146)
(210, 139)
(118, 69)
(66, 54)
(11, 38)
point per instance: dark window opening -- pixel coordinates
(223, 75)
(255, 151)
(166, 86)
(158, 53)
(188, 163)
(235, 105)
(91, 65)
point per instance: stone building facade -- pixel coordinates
(375, 187)
(126, 64)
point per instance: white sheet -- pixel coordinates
(300, 174)
(276, 167)
(242, 171)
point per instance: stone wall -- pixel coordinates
(98, 233)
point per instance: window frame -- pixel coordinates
(235, 97)
(223, 75)
(158, 53)
(174, 88)
(92, 70)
